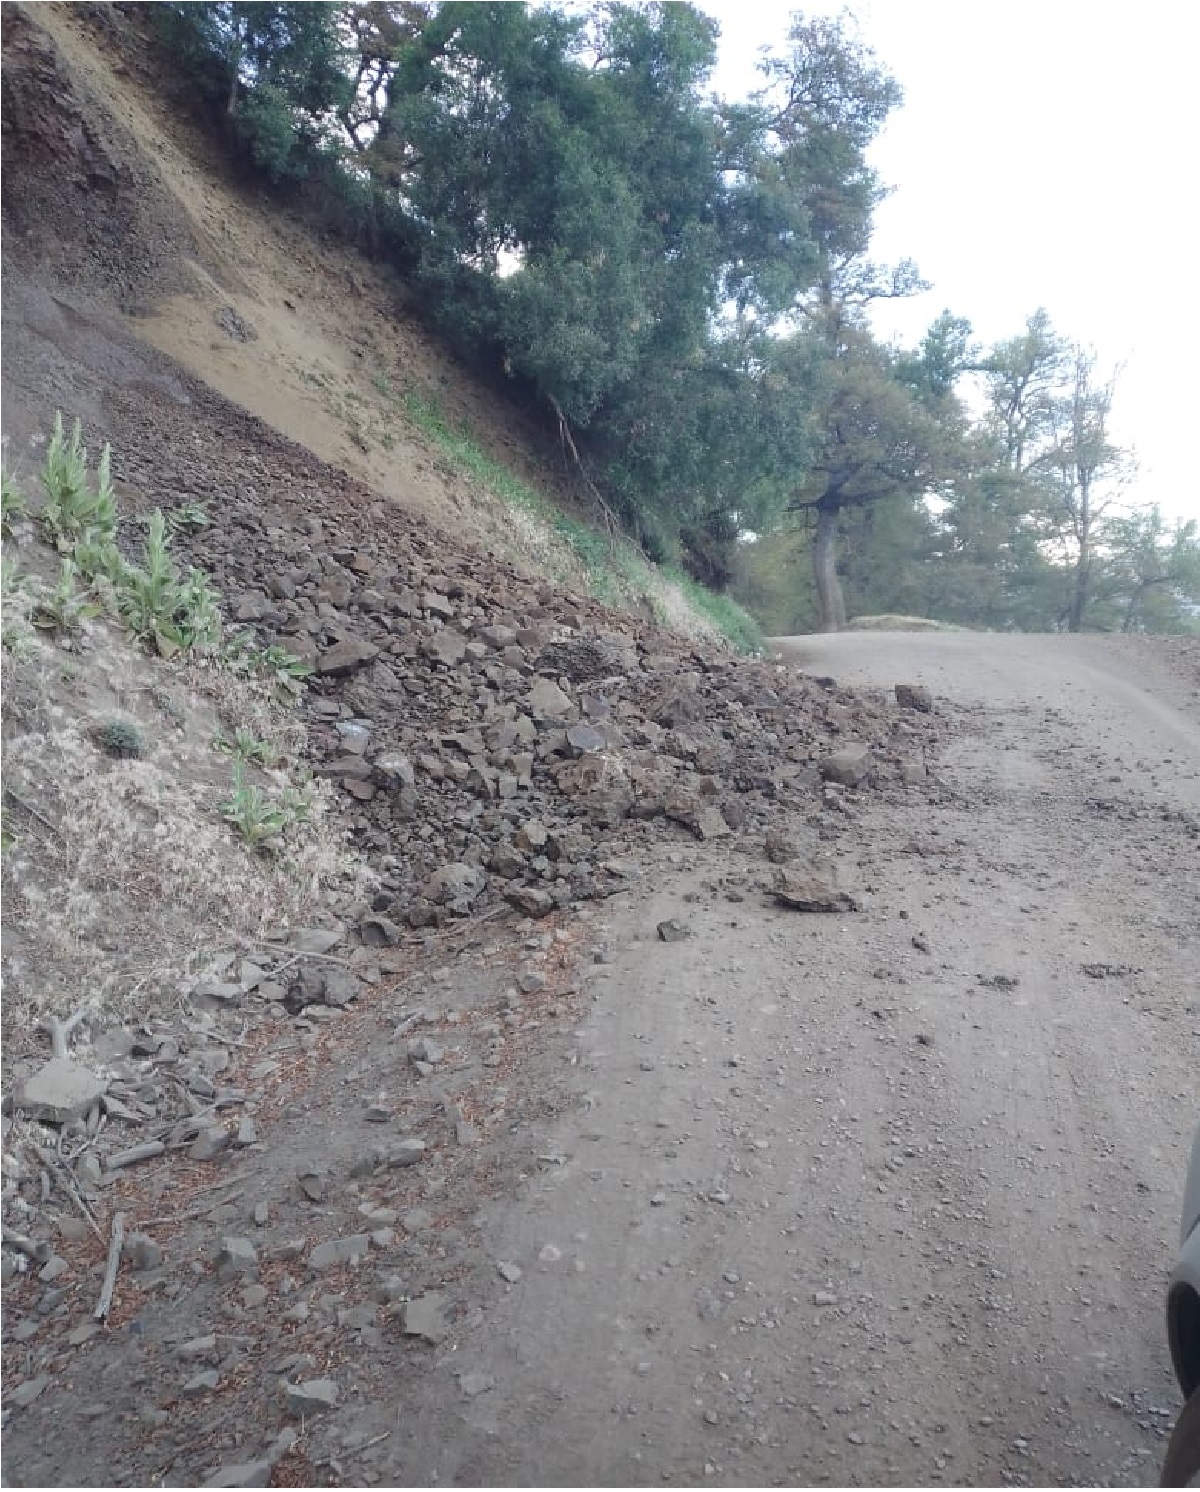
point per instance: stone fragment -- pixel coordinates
(210, 1143)
(61, 1090)
(142, 1251)
(346, 657)
(236, 1256)
(804, 891)
(352, 1250)
(673, 931)
(474, 1384)
(198, 1347)
(547, 701)
(710, 823)
(201, 1383)
(394, 770)
(457, 887)
(583, 739)
(530, 900)
(311, 1397)
(406, 1153)
(847, 766)
(341, 987)
(25, 1393)
(379, 932)
(314, 1185)
(914, 697)
(54, 1266)
(425, 1317)
(316, 939)
(446, 647)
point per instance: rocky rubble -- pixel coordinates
(495, 740)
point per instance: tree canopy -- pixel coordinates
(681, 283)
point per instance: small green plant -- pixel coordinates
(121, 738)
(16, 603)
(72, 509)
(257, 818)
(159, 605)
(188, 517)
(284, 670)
(12, 504)
(246, 747)
(61, 607)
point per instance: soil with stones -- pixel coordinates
(745, 1072)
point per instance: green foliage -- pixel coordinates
(285, 672)
(246, 747)
(277, 70)
(16, 601)
(260, 819)
(62, 607)
(121, 738)
(12, 503)
(163, 607)
(188, 518)
(731, 619)
(73, 510)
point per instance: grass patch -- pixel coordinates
(613, 570)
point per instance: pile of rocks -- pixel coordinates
(494, 738)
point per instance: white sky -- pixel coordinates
(1045, 155)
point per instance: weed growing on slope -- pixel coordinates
(73, 509)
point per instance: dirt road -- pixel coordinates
(861, 1198)
(885, 1198)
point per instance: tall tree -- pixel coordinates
(1086, 471)
(875, 439)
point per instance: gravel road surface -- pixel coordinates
(886, 1197)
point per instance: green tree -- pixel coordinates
(1150, 572)
(278, 71)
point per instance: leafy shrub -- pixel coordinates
(12, 503)
(73, 511)
(121, 738)
(163, 607)
(62, 607)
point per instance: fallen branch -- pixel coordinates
(76, 1196)
(115, 1245)
(36, 1249)
(61, 1030)
(190, 1215)
(611, 522)
(145, 1151)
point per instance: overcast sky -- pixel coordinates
(1045, 155)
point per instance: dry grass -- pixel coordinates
(120, 877)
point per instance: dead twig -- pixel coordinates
(295, 958)
(32, 812)
(611, 522)
(61, 1030)
(115, 1245)
(36, 1249)
(76, 1196)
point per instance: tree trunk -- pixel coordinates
(1083, 564)
(825, 576)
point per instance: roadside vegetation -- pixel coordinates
(602, 559)
(680, 287)
(155, 794)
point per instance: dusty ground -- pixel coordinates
(885, 1197)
